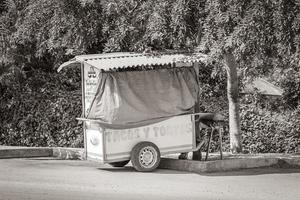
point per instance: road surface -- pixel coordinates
(47, 178)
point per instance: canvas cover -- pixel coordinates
(136, 98)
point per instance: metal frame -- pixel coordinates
(104, 145)
(83, 109)
(194, 131)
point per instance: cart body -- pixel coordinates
(173, 135)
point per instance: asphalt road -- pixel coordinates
(45, 178)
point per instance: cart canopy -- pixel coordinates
(136, 97)
(126, 99)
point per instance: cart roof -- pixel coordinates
(109, 61)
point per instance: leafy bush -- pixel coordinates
(269, 131)
(267, 126)
(264, 131)
(40, 109)
(291, 85)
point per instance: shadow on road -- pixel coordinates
(44, 158)
(130, 169)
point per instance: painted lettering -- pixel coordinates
(136, 133)
(130, 134)
(156, 130)
(165, 130)
(162, 131)
(146, 131)
(124, 135)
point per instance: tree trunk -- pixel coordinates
(233, 101)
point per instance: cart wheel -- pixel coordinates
(119, 164)
(145, 157)
(197, 155)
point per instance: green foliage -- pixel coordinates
(290, 82)
(270, 132)
(40, 109)
(212, 84)
(47, 32)
(134, 25)
(265, 131)
(263, 35)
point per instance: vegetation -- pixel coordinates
(244, 38)
(41, 110)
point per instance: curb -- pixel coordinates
(280, 161)
(26, 152)
(68, 153)
(217, 165)
(293, 162)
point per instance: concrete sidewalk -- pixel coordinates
(229, 163)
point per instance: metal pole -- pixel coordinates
(220, 129)
(209, 141)
(197, 155)
(83, 109)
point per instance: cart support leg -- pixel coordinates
(221, 145)
(209, 141)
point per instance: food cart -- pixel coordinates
(138, 106)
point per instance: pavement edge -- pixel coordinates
(166, 163)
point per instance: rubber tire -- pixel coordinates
(119, 164)
(135, 157)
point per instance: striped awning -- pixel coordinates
(110, 61)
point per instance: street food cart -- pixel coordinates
(138, 106)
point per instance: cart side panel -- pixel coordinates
(94, 142)
(90, 78)
(171, 136)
